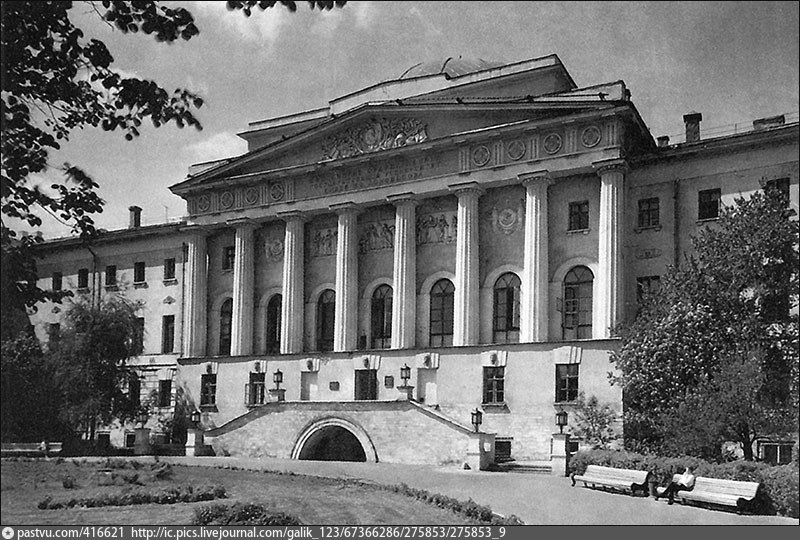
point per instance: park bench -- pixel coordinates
(627, 480)
(734, 493)
(28, 449)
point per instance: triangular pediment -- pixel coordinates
(386, 127)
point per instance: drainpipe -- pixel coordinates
(185, 253)
(676, 228)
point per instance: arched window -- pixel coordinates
(274, 324)
(381, 316)
(578, 303)
(225, 325)
(505, 326)
(326, 308)
(442, 297)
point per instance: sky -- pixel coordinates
(733, 62)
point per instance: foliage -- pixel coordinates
(168, 495)
(54, 81)
(241, 514)
(713, 355)
(29, 410)
(89, 362)
(469, 509)
(779, 492)
(594, 421)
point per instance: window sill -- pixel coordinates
(140, 285)
(560, 403)
(495, 408)
(171, 281)
(83, 290)
(227, 270)
(112, 287)
(212, 407)
(655, 228)
(578, 231)
(707, 220)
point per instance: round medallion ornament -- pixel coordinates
(481, 156)
(552, 143)
(277, 191)
(203, 203)
(515, 150)
(506, 220)
(226, 200)
(251, 195)
(591, 136)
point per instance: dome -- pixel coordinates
(451, 67)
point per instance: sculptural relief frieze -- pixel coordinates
(376, 236)
(437, 228)
(373, 136)
(370, 175)
(323, 242)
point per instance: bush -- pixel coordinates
(161, 471)
(241, 514)
(170, 495)
(779, 493)
(68, 482)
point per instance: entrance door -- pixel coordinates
(366, 384)
(308, 386)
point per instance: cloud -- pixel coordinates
(218, 146)
(364, 12)
(261, 26)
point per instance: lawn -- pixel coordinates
(315, 501)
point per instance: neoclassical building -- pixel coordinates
(370, 273)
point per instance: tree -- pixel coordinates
(53, 82)
(89, 363)
(594, 421)
(712, 356)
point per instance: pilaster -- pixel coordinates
(534, 301)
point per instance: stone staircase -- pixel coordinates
(526, 467)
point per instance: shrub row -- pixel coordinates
(780, 483)
(469, 509)
(241, 514)
(170, 495)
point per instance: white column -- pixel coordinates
(243, 276)
(607, 305)
(465, 325)
(195, 316)
(404, 301)
(534, 302)
(292, 301)
(346, 313)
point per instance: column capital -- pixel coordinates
(242, 223)
(464, 188)
(195, 230)
(611, 165)
(293, 215)
(535, 177)
(345, 208)
(403, 199)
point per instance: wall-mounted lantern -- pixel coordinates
(561, 419)
(477, 419)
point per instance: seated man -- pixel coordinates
(684, 483)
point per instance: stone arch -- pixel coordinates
(556, 291)
(365, 326)
(487, 297)
(319, 425)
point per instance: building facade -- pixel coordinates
(369, 274)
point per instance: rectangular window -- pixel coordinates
(111, 275)
(168, 333)
(366, 384)
(648, 213)
(647, 285)
(58, 279)
(138, 272)
(566, 382)
(578, 216)
(54, 332)
(493, 385)
(165, 393)
(228, 257)
(169, 269)
(255, 389)
(708, 204)
(134, 390)
(208, 389)
(781, 185)
(83, 278)
(139, 336)
(502, 449)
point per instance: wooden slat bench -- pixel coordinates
(734, 493)
(627, 480)
(29, 449)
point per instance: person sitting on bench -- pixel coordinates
(684, 483)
